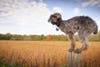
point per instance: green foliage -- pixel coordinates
(37, 37)
(3, 64)
(9, 36)
(17, 37)
(5, 36)
(59, 38)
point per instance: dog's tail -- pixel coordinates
(96, 30)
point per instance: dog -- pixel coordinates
(83, 25)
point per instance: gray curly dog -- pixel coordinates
(83, 25)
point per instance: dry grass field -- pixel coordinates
(45, 53)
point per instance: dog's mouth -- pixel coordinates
(52, 21)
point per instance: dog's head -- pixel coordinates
(55, 18)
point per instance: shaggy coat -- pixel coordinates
(83, 25)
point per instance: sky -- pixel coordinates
(31, 16)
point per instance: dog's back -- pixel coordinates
(82, 23)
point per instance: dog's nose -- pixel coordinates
(48, 20)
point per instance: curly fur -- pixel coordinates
(83, 25)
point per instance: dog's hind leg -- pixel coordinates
(84, 41)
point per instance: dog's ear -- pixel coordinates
(58, 15)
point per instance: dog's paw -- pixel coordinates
(71, 49)
(78, 50)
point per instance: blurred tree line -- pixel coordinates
(9, 36)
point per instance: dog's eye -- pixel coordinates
(53, 16)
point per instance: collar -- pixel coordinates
(58, 24)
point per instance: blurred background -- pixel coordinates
(31, 16)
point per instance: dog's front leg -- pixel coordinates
(71, 38)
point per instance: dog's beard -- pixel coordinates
(54, 23)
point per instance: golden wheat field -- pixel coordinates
(46, 53)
